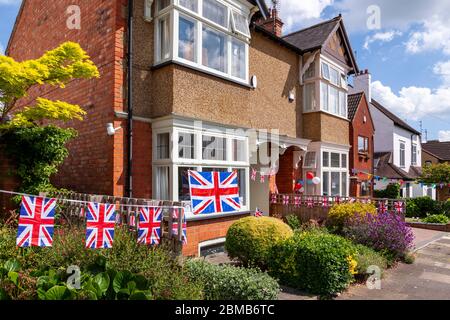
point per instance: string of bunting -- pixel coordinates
(37, 220)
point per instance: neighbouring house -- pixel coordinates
(397, 146)
(327, 62)
(215, 87)
(362, 131)
(434, 152)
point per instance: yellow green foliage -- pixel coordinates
(342, 212)
(251, 239)
(56, 67)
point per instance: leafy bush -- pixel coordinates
(444, 207)
(387, 233)
(421, 207)
(232, 283)
(314, 261)
(436, 218)
(392, 191)
(367, 257)
(293, 221)
(340, 213)
(250, 239)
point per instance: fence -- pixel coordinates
(317, 207)
(71, 205)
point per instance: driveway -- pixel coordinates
(427, 279)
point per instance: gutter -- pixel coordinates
(129, 182)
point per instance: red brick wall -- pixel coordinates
(205, 230)
(365, 129)
(96, 161)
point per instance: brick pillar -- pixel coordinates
(287, 173)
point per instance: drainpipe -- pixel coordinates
(129, 182)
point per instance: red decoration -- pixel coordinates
(310, 175)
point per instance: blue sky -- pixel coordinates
(408, 54)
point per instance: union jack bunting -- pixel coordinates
(175, 228)
(149, 229)
(214, 192)
(101, 219)
(132, 220)
(310, 202)
(83, 212)
(352, 200)
(253, 176)
(337, 200)
(286, 200)
(399, 207)
(259, 213)
(273, 199)
(297, 201)
(262, 178)
(36, 222)
(382, 208)
(325, 202)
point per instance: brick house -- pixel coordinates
(362, 132)
(209, 93)
(434, 152)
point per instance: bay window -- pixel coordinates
(186, 143)
(334, 173)
(163, 146)
(209, 35)
(310, 97)
(214, 148)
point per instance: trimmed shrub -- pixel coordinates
(436, 218)
(421, 207)
(392, 191)
(232, 283)
(340, 213)
(314, 261)
(387, 233)
(250, 239)
(367, 257)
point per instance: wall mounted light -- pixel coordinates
(291, 96)
(111, 130)
(254, 82)
(148, 10)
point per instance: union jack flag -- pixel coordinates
(398, 207)
(149, 230)
(297, 201)
(214, 192)
(101, 219)
(259, 213)
(325, 202)
(175, 227)
(382, 208)
(83, 212)
(36, 222)
(310, 202)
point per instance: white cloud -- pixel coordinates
(413, 102)
(2, 49)
(10, 2)
(387, 36)
(444, 136)
(296, 14)
(435, 35)
(442, 69)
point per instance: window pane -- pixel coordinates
(344, 184)
(215, 12)
(186, 142)
(310, 160)
(344, 161)
(183, 184)
(325, 71)
(335, 77)
(361, 145)
(214, 148)
(242, 182)
(334, 100)
(344, 81)
(239, 150)
(402, 154)
(186, 41)
(162, 183)
(324, 95)
(214, 49)
(311, 72)
(162, 146)
(335, 183)
(190, 4)
(310, 97)
(326, 159)
(161, 4)
(164, 38)
(342, 104)
(241, 23)
(326, 183)
(335, 160)
(238, 68)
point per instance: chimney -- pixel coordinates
(273, 24)
(362, 82)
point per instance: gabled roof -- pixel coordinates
(440, 150)
(397, 121)
(315, 37)
(353, 103)
(386, 169)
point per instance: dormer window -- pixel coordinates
(208, 35)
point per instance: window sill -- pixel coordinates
(217, 74)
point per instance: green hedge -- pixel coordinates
(422, 206)
(392, 191)
(314, 261)
(250, 239)
(232, 283)
(436, 218)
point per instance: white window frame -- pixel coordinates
(402, 152)
(342, 169)
(312, 166)
(414, 154)
(175, 10)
